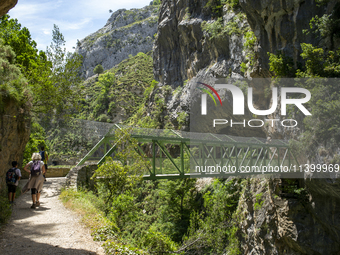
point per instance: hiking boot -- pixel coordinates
(34, 206)
(38, 203)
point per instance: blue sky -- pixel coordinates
(76, 18)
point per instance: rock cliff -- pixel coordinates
(6, 5)
(14, 134)
(197, 41)
(126, 32)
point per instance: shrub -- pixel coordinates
(98, 69)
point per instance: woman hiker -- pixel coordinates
(36, 169)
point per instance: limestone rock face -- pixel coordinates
(279, 27)
(305, 224)
(126, 32)
(6, 5)
(182, 48)
(14, 134)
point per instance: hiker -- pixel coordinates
(36, 169)
(13, 176)
(44, 158)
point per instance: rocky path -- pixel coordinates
(49, 229)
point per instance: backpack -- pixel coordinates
(35, 168)
(42, 154)
(11, 176)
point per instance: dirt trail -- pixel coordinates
(49, 229)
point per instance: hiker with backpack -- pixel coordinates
(44, 158)
(13, 176)
(36, 169)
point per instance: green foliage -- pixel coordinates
(13, 85)
(49, 76)
(157, 242)
(248, 47)
(326, 25)
(20, 40)
(217, 29)
(98, 69)
(119, 90)
(64, 78)
(182, 119)
(324, 104)
(214, 7)
(281, 65)
(319, 63)
(115, 177)
(35, 142)
(258, 202)
(156, 2)
(156, 118)
(212, 231)
(5, 208)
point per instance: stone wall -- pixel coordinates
(51, 172)
(80, 176)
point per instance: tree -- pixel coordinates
(12, 82)
(98, 69)
(51, 76)
(64, 78)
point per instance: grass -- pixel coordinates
(5, 207)
(61, 166)
(87, 205)
(91, 209)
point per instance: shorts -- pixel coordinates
(11, 188)
(34, 191)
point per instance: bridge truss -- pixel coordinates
(178, 154)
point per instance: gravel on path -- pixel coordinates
(49, 229)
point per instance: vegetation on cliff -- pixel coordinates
(322, 131)
(119, 92)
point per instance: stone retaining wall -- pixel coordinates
(51, 172)
(80, 176)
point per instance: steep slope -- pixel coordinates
(126, 32)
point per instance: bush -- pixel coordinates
(98, 69)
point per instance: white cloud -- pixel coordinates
(74, 26)
(46, 32)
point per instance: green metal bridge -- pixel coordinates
(177, 154)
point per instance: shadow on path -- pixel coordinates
(49, 229)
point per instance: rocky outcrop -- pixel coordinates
(307, 223)
(126, 32)
(14, 135)
(182, 48)
(6, 5)
(188, 49)
(279, 26)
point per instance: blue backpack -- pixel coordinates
(42, 154)
(11, 176)
(35, 168)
